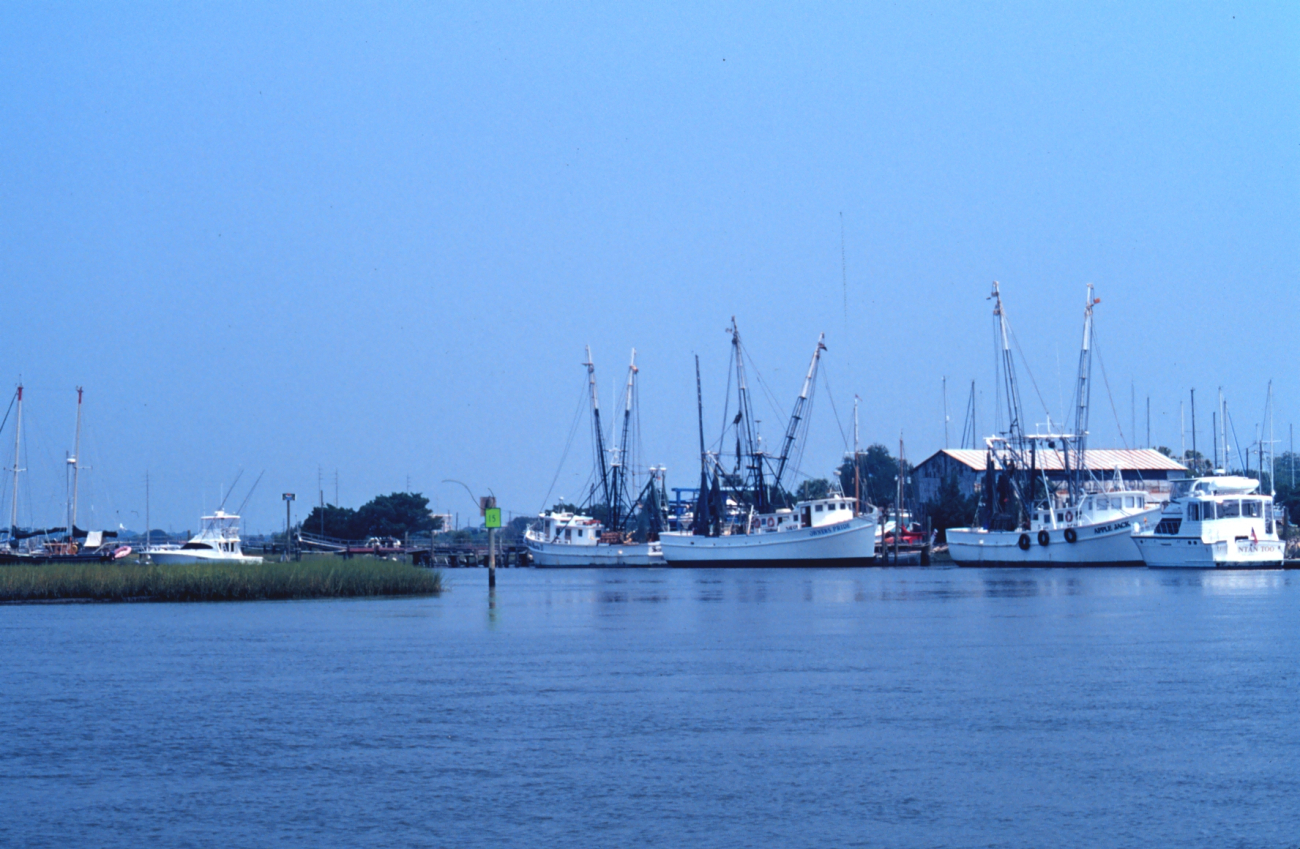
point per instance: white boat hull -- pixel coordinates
(1109, 544)
(1163, 552)
(185, 558)
(850, 543)
(549, 554)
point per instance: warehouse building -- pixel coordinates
(1141, 468)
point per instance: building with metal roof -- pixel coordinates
(1143, 468)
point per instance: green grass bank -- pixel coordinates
(320, 576)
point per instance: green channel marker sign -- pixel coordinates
(492, 517)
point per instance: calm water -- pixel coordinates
(885, 707)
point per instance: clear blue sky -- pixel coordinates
(376, 238)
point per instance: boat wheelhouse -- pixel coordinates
(1215, 523)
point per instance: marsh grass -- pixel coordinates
(320, 576)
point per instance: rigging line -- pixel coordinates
(1102, 360)
(831, 395)
(573, 431)
(1028, 371)
(1240, 462)
(12, 399)
(771, 398)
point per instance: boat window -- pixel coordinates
(1251, 509)
(1128, 501)
(1060, 517)
(818, 508)
(1193, 512)
(1141, 501)
(1229, 509)
(194, 545)
(1207, 511)
(568, 533)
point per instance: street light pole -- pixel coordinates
(288, 501)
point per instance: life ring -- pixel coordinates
(1070, 535)
(1069, 516)
(771, 521)
(1024, 542)
(1043, 538)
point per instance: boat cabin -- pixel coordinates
(569, 528)
(1093, 509)
(814, 513)
(1217, 510)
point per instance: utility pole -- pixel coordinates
(288, 501)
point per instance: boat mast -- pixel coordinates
(619, 473)
(749, 449)
(1014, 434)
(600, 437)
(792, 429)
(13, 513)
(75, 460)
(700, 526)
(857, 477)
(1083, 392)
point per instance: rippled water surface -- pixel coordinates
(874, 707)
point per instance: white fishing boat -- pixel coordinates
(754, 523)
(1214, 523)
(1029, 520)
(627, 535)
(820, 532)
(561, 538)
(216, 541)
(1096, 530)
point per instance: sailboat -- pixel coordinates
(626, 533)
(753, 521)
(1027, 521)
(59, 545)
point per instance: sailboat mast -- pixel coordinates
(76, 471)
(792, 429)
(600, 437)
(18, 430)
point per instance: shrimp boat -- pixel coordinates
(216, 542)
(1214, 523)
(756, 523)
(627, 530)
(1025, 520)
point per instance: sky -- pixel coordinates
(373, 240)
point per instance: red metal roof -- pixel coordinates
(1096, 459)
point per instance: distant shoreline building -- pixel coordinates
(1140, 468)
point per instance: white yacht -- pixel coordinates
(1214, 523)
(819, 532)
(216, 541)
(1097, 530)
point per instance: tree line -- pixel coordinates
(395, 515)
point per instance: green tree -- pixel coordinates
(951, 509)
(393, 516)
(337, 521)
(878, 475)
(813, 488)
